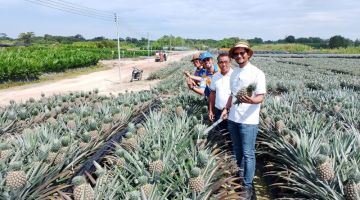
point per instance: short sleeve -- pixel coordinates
(261, 83)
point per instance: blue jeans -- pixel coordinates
(243, 137)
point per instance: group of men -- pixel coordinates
(220, 84)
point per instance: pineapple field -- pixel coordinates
(152, 145)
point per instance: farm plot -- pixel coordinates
(310, 125)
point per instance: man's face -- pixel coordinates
(241, 55)
(207, 63)
(224, 64)
(196, 63)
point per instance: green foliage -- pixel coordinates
(338, 41)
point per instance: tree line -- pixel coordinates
(170, 41)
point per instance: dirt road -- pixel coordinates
(108, 81)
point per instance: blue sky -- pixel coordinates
(270, 20)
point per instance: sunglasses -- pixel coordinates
(195, 60)
(205, 59)
(240, 53)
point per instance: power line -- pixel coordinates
(66, 6)
(88, 8)
(74, 11)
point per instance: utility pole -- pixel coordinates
(170, 44)
(148, 45)
(118, 42)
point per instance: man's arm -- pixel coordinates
(226, 110)
(195, 78)
(198, 90)
(211, 106)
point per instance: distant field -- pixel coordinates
(28, 63)
(301, 48)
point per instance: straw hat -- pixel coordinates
(195, 57)
(245, 44)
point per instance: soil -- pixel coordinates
(115, 80)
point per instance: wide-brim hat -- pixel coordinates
(243, 44)
(195, 57)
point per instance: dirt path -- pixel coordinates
(107, 81)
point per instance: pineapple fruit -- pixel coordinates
(352, 187)
(5, 151)
(245, 91)
(145, 186)
(129, 143)
(16, 178)
(179, 111)
(323, 168)
(196, 182)
(82, 190)
(156, 166)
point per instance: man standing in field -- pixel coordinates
(243, 117)
(199, 71)
(220, 87)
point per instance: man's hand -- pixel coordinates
(211, 116)
(252, 100)
(190, 83)
(247, 99)
(187, 73)
(224, 114)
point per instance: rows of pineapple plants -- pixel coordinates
(45, 141)
(28, 63)
(166, 156)
(316, 74)
(310, 138)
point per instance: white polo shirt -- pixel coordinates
(243, 77)
(221, 85)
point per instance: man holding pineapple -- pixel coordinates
(248, 88)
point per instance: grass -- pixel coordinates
(72, 73)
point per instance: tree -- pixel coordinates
(338, 41)
(26, 37)
(3, 36)
(290, 39)
(357, 43)
(79, 37)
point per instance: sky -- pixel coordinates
(206, 19)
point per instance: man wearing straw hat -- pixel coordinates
(242, 112)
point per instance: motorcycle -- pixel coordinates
(136, 74)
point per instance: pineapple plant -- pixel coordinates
(196, 182)
(202, 158)
(145, 186)
(65, 142)
(279, 124)
(323, 167)
(5, 151)
(55, 155)
(352, 187)
(156, 166)
(106, 126)
(85, 140)
(101, 173)
(16, 178)
(82, 190)
(129, 143)
(245, 91)
(179, 111)
(71, 124)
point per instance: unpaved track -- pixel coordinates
(107, 81)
